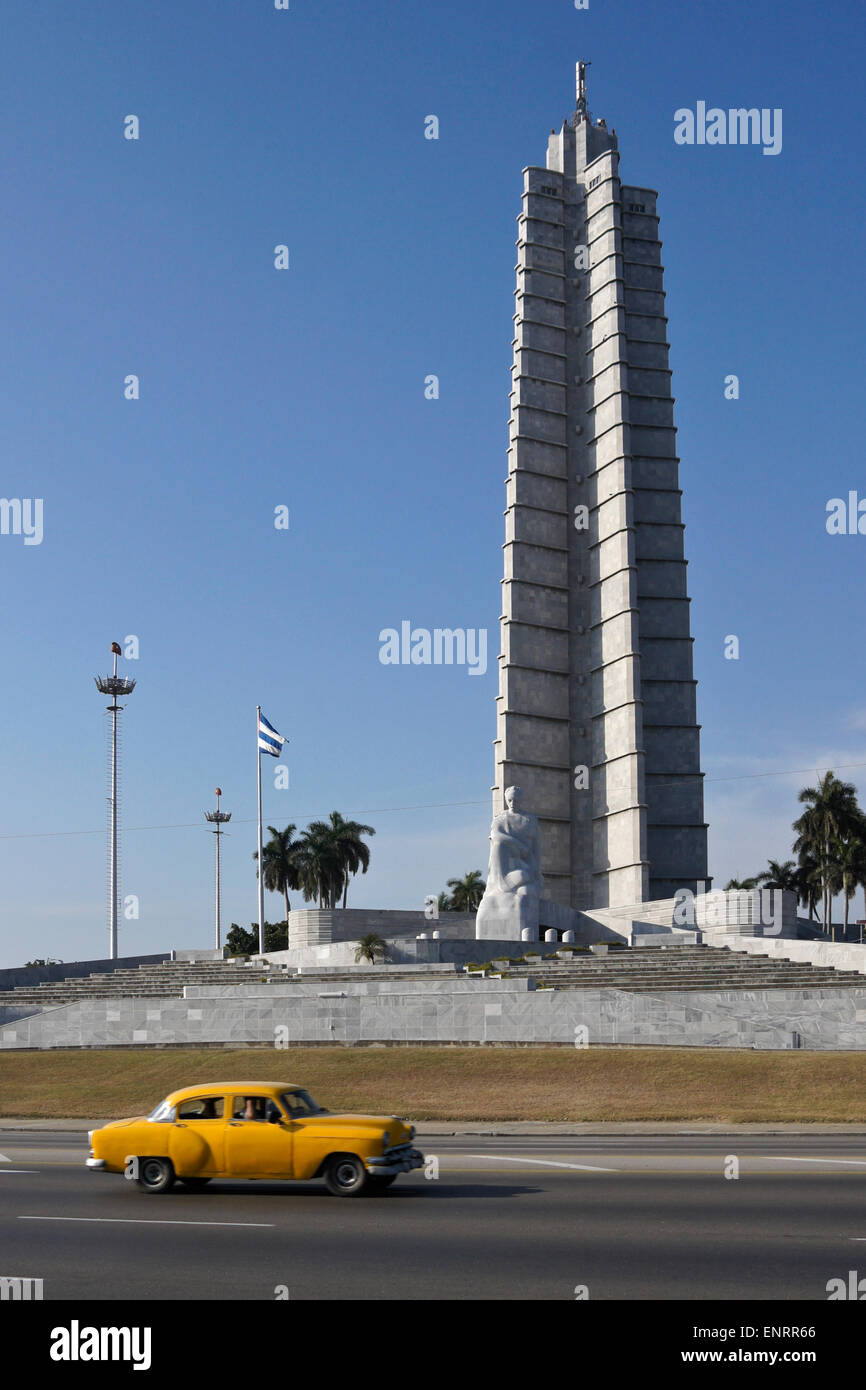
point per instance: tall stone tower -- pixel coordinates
(596, 712)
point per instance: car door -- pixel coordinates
(197, 1136)
(254, 1147)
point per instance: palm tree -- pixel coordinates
(352, 853)
(443, 902)
(778, 875)
(319, 876)
(738, 883)
(831, 814)
(329, 853)
(278, 860)
(369, 947)
(808, 887)
(850, 871)
(466, 892)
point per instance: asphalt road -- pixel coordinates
(641, 1217)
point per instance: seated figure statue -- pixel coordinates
(510, 903)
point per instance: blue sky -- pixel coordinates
(306, 388)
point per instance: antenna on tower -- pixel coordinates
(582, 112)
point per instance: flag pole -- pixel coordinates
(261, 865)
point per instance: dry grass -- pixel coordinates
(460, 1083)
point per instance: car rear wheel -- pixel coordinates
(155, 1174)
(194, 1184)
(346, 1176)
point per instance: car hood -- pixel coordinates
(398, 1131)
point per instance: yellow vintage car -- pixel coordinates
(254, 1129)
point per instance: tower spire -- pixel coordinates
(580, 81)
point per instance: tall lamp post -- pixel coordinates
(218, 818)
(113, 685)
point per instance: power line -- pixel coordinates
(421, 805)
(248, 820)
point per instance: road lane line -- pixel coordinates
(19, 1170)
(542, 1162)
(143, 1221)
(783, 1158)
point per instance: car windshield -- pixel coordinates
(301, 1103)
(163, 1113)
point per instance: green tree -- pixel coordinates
(320, 874)
(278, 857)
(808, 886)
(466, 892)
(778, 875)
(240, 942)
(740, 883)
(352, 853)
(246, 943)
(850, 872)
(370, 947)
(831, 815)
(328, 854)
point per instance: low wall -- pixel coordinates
(838, 954)
(205, 953)
(316, 926)
(454, 1011)
(410, 950)
(75, 969)
(752, 912)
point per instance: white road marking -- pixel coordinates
(544, 1163)
(18, 1170)
(138, 1221)
(4, 1159)
(783, 1158)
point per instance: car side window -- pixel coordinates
(201, 1108)
(250, 1108)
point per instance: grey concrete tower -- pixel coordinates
(596, 712)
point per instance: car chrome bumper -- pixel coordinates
(95, 1162)
(400, 1160)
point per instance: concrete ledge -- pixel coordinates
(662, 940)
(840, 955)
(75, 969)
(320, 926)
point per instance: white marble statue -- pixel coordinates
(509, 909)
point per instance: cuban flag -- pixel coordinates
(269, 740)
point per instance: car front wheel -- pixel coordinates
(346, 1176)
(155, 1174)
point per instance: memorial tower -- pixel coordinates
(596, 712)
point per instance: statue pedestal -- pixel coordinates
(507, 917)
